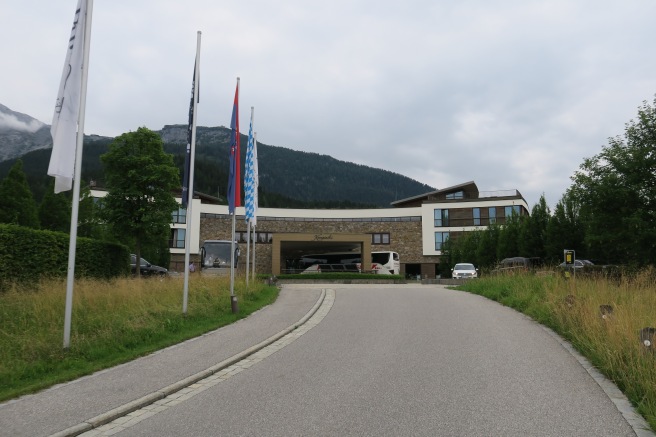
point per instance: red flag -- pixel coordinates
(234, 188)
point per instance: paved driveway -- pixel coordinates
(383, 360)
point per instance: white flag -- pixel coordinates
(67, 107)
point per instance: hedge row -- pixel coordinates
(29, 254)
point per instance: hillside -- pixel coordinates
(288, 178)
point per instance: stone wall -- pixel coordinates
(405, 237)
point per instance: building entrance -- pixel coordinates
(287, 249)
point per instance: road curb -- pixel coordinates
(148, 399)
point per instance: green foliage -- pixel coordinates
(17, 206)
(533, 231)
(508, 242)
(27, 255)
(616, 191)
(140, 179)
(55, 210)
(113, 322)
(288, 178)
(565, 230)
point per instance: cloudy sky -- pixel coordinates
(512, 94)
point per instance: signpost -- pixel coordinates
(570, 258)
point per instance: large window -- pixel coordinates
(456, 195)
(492, 214)
(380, 238)
(512, 210)
(441, 217)
(440, 239)
(180, 216)
(476, 212)
(177, 240)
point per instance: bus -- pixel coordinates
(215, 257)
(382, 262)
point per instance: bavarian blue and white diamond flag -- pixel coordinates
(251, 177)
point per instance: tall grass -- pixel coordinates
(112, 322)
(573, 309)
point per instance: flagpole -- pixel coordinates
(70, 279)
(255, 194)
(253, 273)
(190, 190)
(236, 201)
(248, 250)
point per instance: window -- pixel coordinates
(177, 240)
(456, 195)
(440, 238)
(180, 216)
(492, 214)
(260, 237)
(512, 210)
(477, 216)
(380, 238)
(441, 217)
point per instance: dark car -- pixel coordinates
(147, 269)
(578, 264)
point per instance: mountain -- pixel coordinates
(20, 134)
(288, 178)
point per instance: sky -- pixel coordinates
(512, 94)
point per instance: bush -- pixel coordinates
(27, 255)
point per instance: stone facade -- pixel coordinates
(405, 236)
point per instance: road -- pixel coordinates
(396, 361)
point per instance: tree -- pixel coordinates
(533, 231)
(616, 190)
(17, 205)
(565, 230)
(486, 253)
(140, 178)
(55, 210)
(508, 239)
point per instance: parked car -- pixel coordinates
(332, 268)
(464, 271)
(146, 268)
(578, 264)
(517, 264)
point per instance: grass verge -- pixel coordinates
(112, 322)
(578, 310)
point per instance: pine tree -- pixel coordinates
(17, 205)
(55, 210)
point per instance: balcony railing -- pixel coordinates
(498, 193)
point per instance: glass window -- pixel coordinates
(177, 238)
(456, 195)
(380, 238)
(441, 217)
(180, 216)
(477, 216)
(492, 214)
(512, 210)
(440, 238)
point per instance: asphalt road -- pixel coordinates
(400, 361)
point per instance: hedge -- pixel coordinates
(28, 254)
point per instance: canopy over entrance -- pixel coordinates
(290, 246)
